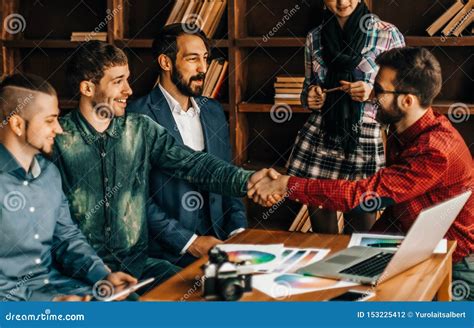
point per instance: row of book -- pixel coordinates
(215, 77)
(204, 13)
(455, 20)
(288, 89)
(87, 36)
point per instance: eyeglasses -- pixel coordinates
(379, 90)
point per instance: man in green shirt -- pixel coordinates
(105, 156)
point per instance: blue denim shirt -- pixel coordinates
(43, 253)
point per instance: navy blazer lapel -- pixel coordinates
(162, 113)
(206, 123)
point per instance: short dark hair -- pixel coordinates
(90, 60)
(16, 92)
(418, 72)
(165, 42)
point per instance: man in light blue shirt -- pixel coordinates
(44, 256)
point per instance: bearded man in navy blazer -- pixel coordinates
(191, 220)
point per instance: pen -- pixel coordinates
(332, 90)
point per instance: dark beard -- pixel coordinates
(385, 117)
(185, 88)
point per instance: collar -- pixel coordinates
(176, 107)
(90, 134)
(424, 122)
(8, 163)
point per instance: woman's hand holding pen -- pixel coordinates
(359, 91)
(316, 97)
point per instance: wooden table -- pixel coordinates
(423, 282)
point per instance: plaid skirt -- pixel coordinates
(311, 158)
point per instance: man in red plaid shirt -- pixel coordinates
(427, 162)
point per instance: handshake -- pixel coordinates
(267, 187)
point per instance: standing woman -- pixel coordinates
(341, 139)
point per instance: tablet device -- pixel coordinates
(128, 290)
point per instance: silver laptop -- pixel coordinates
(369, 265)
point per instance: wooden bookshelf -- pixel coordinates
(257, 58)
(43, 46)
(251, 36)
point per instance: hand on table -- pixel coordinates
(202, 244)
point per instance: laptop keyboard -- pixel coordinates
(371, 267)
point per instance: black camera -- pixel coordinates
(225, 280)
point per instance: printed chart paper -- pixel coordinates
(295, 258)
(261, 258)
(282, 285)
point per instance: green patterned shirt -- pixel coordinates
(105, 178)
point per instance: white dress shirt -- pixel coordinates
(188, 122)
(190, 128)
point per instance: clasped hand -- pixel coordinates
(267, 187)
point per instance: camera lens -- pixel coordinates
(231, 290)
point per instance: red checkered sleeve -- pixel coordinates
(420, 170)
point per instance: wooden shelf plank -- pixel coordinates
(242, 42)
(129, 43)
(146, 43)
(440, 106)
(59, 44)
(440, 41)
(266, 108)
(134, 43)
(443, 106)
(250, 42)
(270, 42)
